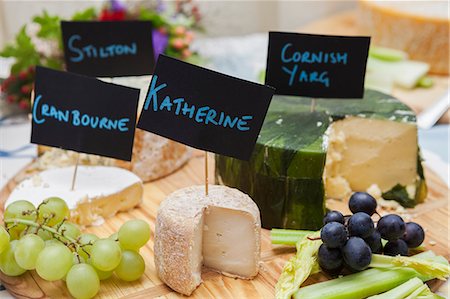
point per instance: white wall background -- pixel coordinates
(221, 18)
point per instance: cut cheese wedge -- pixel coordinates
(220, 231)
(420, 28)
(100, 192)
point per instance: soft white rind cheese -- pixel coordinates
(100, 191)
(220, 231)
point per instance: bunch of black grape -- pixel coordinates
(350, 241)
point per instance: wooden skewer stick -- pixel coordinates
(74, 178)
(206, 173)
(313, 104)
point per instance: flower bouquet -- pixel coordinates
(40, 42)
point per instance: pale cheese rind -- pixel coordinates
(100, 191)
(181, 234)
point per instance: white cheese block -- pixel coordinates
(221, 231)
(100, 192)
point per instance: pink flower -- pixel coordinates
(189, 36)
(186, 53)
(24, 104)
(26, 89)
(179, 30)
(23, 75)
(178, 43)
(11, 98)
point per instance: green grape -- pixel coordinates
(134, 234)
(131, 267)
(82, 281)
(21, 209)
(27, 251)
(76, 260)
(114, 236)
(54, 209)
(15, 232)
(4, 239)
(84, 239)
(52, 242)
(45, 234)
(102, 275)
(69, 230)
(105, 254)
(8, 264)
(54, 262)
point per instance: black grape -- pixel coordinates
(330, 259)
(360, 225)
(414, 234)
(397, 247)
(362, 202)
(374, 242)
(333, 216)
(391, 227)
(333, 235)
(357, 254)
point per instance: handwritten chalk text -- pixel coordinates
(42, 112)
(81, 52)
(203, 114)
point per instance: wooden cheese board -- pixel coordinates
(433, 215)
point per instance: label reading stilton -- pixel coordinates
(83, 114)
(322, 66)
(108, 49)
(204, 109)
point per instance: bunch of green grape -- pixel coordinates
(42, 239)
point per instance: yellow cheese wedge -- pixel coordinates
(421, 28)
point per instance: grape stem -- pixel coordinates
(58, 235)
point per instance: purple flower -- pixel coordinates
(160, 41)
(117, 5)
(160, 6)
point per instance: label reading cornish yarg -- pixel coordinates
(204, 109)
(322, 66)
(83, 114)
(108, 49)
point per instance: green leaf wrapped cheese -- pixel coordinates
(345, 145)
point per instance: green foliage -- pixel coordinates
(49, 26)
(23, 50)
(85, 15)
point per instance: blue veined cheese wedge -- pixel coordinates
(344, 146)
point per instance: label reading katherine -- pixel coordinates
(323, 66)
(108, 49)
(204, 109)
(83, 114)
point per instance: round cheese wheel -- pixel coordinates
(421, 28)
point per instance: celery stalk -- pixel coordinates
(387, 54)
(298, 268)
(424, 267)
(288, 236)
(365, 283)
(401, 291)
(416, 293)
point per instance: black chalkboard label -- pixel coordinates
(205, 109)
(322, 66)
(108, 49)
(83, 114)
